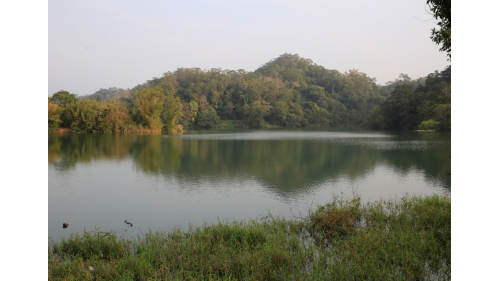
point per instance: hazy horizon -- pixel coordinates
(98, 45)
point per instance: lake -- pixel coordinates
(159, 182)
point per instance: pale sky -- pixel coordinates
(94, 44)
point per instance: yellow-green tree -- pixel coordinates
(54, 119)
(85, 116)
(171, 113)
(117, 116)
(148, 105)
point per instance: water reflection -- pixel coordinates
(288, 163)
(67, 150)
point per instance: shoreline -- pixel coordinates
(340, 240)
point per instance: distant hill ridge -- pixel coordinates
(291, 91)
(290, 68)
(108, 94)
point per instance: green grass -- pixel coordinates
(344, 240)
(232, 124)
(242, 124)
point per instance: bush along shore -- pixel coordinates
(407, 239)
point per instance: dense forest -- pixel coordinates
(289, 91)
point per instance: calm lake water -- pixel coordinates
(159, 182)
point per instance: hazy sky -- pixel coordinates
(101, 44)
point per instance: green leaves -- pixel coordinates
(409, 109)
(63, 98)
(441, 10)
(288, 91)
(148, 104)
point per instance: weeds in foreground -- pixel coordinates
(387, 240)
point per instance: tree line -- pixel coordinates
(289, 91)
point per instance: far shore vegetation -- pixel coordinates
(408, 239)
(287, 92)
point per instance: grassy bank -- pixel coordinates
(242, 124)
(344, 240)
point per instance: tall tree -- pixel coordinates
(54, 119)
(63, 98)
(171, 112)
(118, 116)
(148, 104)
(441, 10)
(400, 109)
(82, 114)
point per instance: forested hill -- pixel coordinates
(289, 91)
(109, 94)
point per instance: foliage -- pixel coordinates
(410, 104)
(148, 105)
(279, 112)
(207, 118)
(256, 112)
(188, 113)
(442, 114)
(118, 118)
(400, 109)
(85, 115)
(110, 94)
(171, 113)
(430, 124)
(441, 10)
(343, 240)
(336, 220)
(289, 91)
(63, 98)
(54, 116)
(375, 119)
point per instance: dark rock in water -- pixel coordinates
(65, 225)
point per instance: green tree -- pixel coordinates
(207, 118)
(108, 94)
(188, 113)
(171, 113)
(315, 115)
(400, 109)
(82, 114)
(63, 98)
(441, 10)
(442, 114)
(288, 91)
(279, 113)
(256, 113)
(118, 117)
(409, 108)
(54, 116)
(375, 119)
(315, 93)
(430, 124)
(148, 104)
